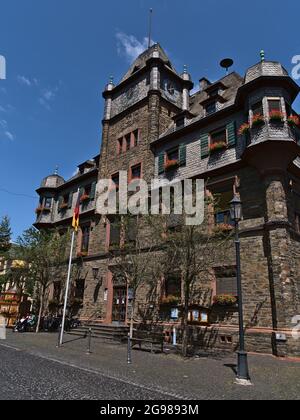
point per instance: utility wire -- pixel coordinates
(17, 194)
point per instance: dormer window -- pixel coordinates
(180, 122)
(211, 108)
(47, 202)
(214, 92)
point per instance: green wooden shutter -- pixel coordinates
(231, 133)
(204, 139)
(81, 191)
(70, 200)
(93, 190)
(161, 163)
(182, 155)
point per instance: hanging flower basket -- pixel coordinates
(170, 165)
(225, 300)
(84, 198)
(244, 129)
(293, 121)
(276, 117)
(258, 121)
(215, 147)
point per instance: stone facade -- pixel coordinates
(147, 115)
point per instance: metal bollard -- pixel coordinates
(89, 341)
(129, 359)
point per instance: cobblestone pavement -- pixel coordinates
(33, 368)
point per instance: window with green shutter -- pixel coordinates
(93, 190)
(231, 133)
(204, 140)
(182, 154)
(161, 163)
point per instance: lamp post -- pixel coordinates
(243, 377)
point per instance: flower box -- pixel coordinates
(276, 117)
(84, 198)
(171, 165)
(244, 129)
(215, 147)
(225, 300)
(293, 121)
(258, 121)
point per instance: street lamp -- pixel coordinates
(243, 376)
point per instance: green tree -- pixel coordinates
(44, 253)
(5, 236)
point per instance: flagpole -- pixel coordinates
(67, 291)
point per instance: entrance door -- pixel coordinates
(119, 304)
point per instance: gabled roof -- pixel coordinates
(140, 62)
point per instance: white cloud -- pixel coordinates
(48, 96)
(9, 135)
(24, 81)
(129, 46)
(3, 123)
(2, 109)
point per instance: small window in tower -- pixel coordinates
(116, 180)
(128, 141)
(47, 202)
(135, 138)
(120, 146)
(136, 171)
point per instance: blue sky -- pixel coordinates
(60, 54)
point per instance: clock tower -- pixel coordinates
(138, 110)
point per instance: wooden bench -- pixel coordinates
(148, 337)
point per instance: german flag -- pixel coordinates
(75, 221)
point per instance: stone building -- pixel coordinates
(154, 127)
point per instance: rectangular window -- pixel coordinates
(219, 136)
(211, 108)
(85, 238)
(115, 232)
(47, 202)
(226, 281)
(257, 108)
(79, 289)
(173, 285)
(120, 146)
(131, 230)
(274, 105)
(180, 123)
(136, 171)
(116, 180)
(173, 154)
(128, 141)
(135, 138)
(222, 207)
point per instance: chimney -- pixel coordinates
(204, 83)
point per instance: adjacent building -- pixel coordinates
(154, 127)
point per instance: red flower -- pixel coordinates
(244, 129)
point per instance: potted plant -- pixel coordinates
(276, 117)
(215, 147)
(293, 121)
(170, 165)
(244, 129)
(258, 121)
(225, 300)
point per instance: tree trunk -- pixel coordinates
(131, 319)
(185, 327)
(40, 310)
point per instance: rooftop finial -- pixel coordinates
(185, 69)
(262, 55)
(56, 170)
(150, 27)
(111, 80)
